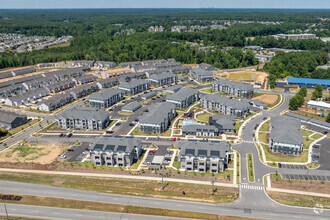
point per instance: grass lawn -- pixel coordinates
(125, 113)
(250, 167)
(137, 163)
(265, 126)
(264, 137)
(313, 165)
(204, 117)
(147, 188)
(136, 131)
(309, 115)
(208, 90)
(108, 207)
(190, 86)
(316, 136)
(238, 125)
(302, 158)
(307, 142)
(306, 132)
(299, 200)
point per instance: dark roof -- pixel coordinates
(127, 145)
(9, 117)
(204, 148)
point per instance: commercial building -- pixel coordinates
(285, 136)
(295, 36)
(310, 83)
(243, 90)
(105, 98)
(226, 106)
(10, 120)
(114, 151)
(134, 86)
(183, 98)
(201, 75)
(83, 118)
(203, 156)
(319, 105)
(158, 118)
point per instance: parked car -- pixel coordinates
(146, 110)
(265, 118)
(153, 98)
(279, 165)
(253, 135)
(62, 135)
(316, 145)
(118, 123)
(70, 150)
(131, 124)
(69, 135)
(61, 156)
(325, 133)
(152, 152)
(243, 126)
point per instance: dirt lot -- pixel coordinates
(245, 75)
(269, 99)
(38, 154)
(191, 65)
(308, 186)
(112, 72)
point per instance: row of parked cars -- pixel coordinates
(66, 135)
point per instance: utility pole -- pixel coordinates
(213, 180)
(162, 179)
(6, 211)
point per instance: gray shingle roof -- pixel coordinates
(133, 83)
(105, 94)
(300, 117)
(182, 94)
(201, 72)
(114, 144)
(132, 106)
(233, 84)
(158, 112)
(286, 130)
(85, 113)
(9, 117)
(227, 122)
(234, 103)
(160, 76)
(194, 148)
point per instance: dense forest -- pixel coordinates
(95, 36)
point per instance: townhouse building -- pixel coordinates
(224, 123)
(203, 156)
(27, 97)
(183, 98)
(200, 130)
(105, 98)
(83, 90)
(226, 106)
(243, 90)
(134, 86)
(201, 75)
(158, 119)
(10, 120)
(55, 102)
(107, 83)
(83, 118)
(285, 136)
(114, 151)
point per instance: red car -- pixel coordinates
(152, 152)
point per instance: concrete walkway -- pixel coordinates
(298, 192)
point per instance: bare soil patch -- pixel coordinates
(27, 153)
(269, 99)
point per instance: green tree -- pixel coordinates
(294, 103)
(318, 92)
(302, 92)
(328, 118)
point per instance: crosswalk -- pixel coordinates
(246, 186)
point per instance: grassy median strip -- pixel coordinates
(300, 200)
(108, 207)
(250, 167)
(131, 187)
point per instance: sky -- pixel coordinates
(24, 4)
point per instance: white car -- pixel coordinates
(61, 156)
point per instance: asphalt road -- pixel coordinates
(246, 206)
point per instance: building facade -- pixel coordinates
(183, 98)
(243, 90)
(134, 86)
(201, 75)
(105, 98)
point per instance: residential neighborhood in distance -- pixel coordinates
(154, 111)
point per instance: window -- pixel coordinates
(120, 159)
(201, 164)
(188, 168)
(98, 163)
(213, 171)
(188, 163)
(108, 158)
(97, 157)
(108, 164)
(214, 165)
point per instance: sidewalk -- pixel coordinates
(298, 192)
(118, 176)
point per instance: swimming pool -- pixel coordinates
(190, 122)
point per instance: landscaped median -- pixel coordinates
(108, 207)
(249, 159)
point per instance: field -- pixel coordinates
(269, 99)
(245, 75)
(40, 154)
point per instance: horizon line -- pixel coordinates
(163, 8)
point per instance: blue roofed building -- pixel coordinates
(325, 83)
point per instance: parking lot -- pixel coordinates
(161, 151)
(324, 159)
(305, 177)
(76, 153)
(315, 128)
(292, 166)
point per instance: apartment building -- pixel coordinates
(134, 86)
(243, 90)
(55, 102)
(285, 136)
(224, 105)
(183, 98)
(200, 130)
(105, 98)
(83, 118)
(163, 78)
(114, 151)
(201, 75)
(158, 119)
(203, 156)
(10, 120)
